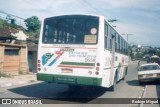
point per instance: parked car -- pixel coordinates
(155, 59)
(148, 72)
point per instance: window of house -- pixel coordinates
(11, 52)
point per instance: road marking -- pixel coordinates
(143, 95)
(140, 95)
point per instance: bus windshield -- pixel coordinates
(71, 30)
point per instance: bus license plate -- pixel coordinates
(65, 80)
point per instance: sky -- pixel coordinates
(139, 19)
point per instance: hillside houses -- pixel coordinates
(144, 52)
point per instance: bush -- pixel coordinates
(5, 75)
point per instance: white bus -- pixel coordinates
(81, 50)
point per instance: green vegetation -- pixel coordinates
(4, 24)
(22, 72)
(32, 23)
(144, 52)
(33, 26)
(34, 33)
(5, 75)
(32, 80)
(158, 52)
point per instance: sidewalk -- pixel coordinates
(17, 80)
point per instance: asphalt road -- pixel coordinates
(128, 88)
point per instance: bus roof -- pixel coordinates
(75, 15)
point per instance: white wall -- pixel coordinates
(20, 35)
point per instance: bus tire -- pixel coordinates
(125, 73)
(112, 88)
(123, 78)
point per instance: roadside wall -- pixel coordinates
(13, 58)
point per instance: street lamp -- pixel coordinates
(112, 20)
(128, 35)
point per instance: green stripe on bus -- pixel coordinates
(65, 79)
(78, 63)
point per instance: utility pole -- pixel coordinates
(12, 18)
(12, 15)
(112, 20)
(127, 35)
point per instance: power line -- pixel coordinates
(91, 7)
(19, 20)
(12, 15)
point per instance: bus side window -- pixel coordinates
(106, 30)
(110, 44)
(116, 58)
(118, 43)
(105, 42)
(106, 35)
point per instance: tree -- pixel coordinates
(3, 24)
(35, 33)
(33, 26)
(158, 52)
(152, 52)
(32, 23)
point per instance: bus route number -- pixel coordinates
(90, 59)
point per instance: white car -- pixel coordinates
(149, 72)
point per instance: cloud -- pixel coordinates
(151, 4)
(31, 7)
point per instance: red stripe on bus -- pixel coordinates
(75, 67)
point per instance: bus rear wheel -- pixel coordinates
(112, 88)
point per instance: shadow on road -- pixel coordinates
(58, 92)
(158, 90)
(134, 83)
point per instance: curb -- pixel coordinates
(14, 84)
(18, 80)
(6, 85)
